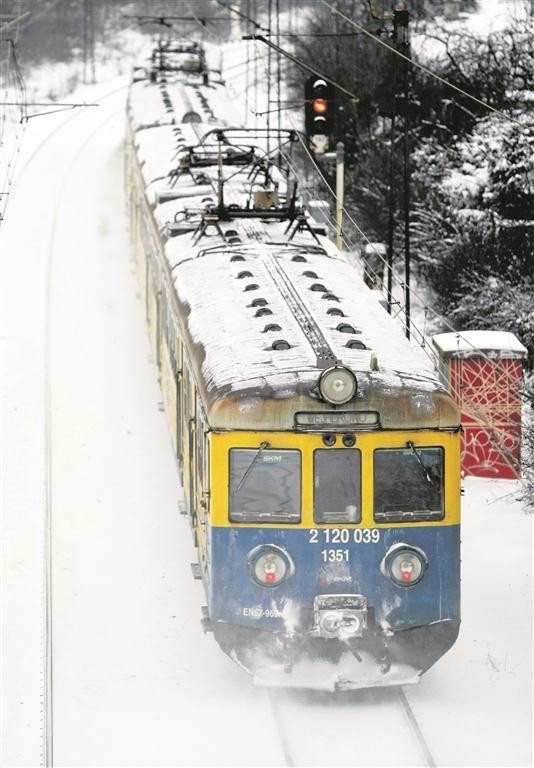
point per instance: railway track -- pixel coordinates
(47, 657)
(373, 727)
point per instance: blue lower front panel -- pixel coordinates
(333, 561)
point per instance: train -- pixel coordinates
(318, 450)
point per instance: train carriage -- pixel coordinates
(319, 453)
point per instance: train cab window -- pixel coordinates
(408, 484)
(264, 486)
(337, 483)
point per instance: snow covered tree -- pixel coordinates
(474, 225)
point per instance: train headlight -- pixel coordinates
(337, 385)
(404, 565)
(269, 565)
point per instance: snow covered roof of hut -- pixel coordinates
(500, 344)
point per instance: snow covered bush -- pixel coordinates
(474, 225)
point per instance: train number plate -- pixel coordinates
(344, 535)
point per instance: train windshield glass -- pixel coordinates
(337, 484)
(264, 486)
(408, 484)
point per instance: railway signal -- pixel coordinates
(319, 110)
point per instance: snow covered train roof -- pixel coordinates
(175, 101)
(265, 302)
(253, 314)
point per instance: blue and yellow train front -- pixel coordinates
(333, 560)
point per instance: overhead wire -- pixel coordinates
(419, 334)
(422, 341)
(416, 64)
(12, 122)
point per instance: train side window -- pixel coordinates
(408, 484)
(337, 486)
(265, 486)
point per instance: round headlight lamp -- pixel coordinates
(337, 385)
(404, 565)
(269, 565)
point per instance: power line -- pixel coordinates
(302, 64)
(419, 335)
(419, 66)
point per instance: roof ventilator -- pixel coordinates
(355, 344)
(280, 344)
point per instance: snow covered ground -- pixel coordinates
(135, 682)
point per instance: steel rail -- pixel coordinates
(273, 699)
(408, 711)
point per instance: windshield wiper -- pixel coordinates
(418, 457)
(262, 447)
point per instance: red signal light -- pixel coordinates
(319, 106)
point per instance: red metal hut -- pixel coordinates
(484, 371)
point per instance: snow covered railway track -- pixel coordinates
(416, 729)
(52, 147)
(75, 116)
(47, 687)
(281, 727)
(373, 727)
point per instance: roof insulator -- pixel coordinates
(309, 273)
(299, 258)
(318, 287)
(330, 296)
(251, 287)
(259, 303)
(271, 327)
(262, 312)
(237, 257)
(234, 240)
(243, 274)
(280, 344)
(345, 328)
(336, 311)
(231, 233)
